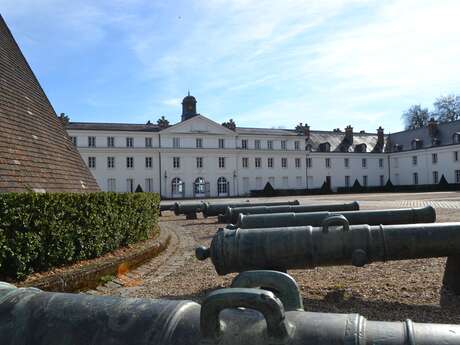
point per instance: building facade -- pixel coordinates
(198, 157)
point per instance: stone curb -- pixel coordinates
(88, 277)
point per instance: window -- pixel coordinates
(130, 185)
(110, 162)
(271, 180)
(258, 162)
(380, 162)
(270, 162)
(257, 144)
(297, 145)
(283, 144)
(297, 163)
(176, 142)
(284, 162)
(91, 141)
(457, 176)
(199, 143)
(365, 181)
(298, 181)
(259, 183)
(148, 162)
(221, 162)
(111, 185)
(414, 160)
(382, 180)
(73, 140)
(221, 143)
(285, 181)
(364, 163)
(177, 187)
(92, 162)
(110, 141)
(129, 162)
(270, 144)
(176, 162)
(199, 186)
(149, 185)
(222, 186)
(244, 162)
(129, 142)
(396, 161)
(415, 178)
(456, 156)
(346, 162)
(434, 158)
(199, 162)
(435, 177)
(244, 144)
(327, 162)
(309, 163)
(148, 142)
(347, 181)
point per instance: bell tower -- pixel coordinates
(188, 107)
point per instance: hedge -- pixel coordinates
(39, 231)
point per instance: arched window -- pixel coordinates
(199, 186)
(456, 138)
(222, 185)
(177, 185)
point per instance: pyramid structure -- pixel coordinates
(35, 151)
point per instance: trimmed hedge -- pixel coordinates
(41, 231)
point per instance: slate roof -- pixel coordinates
(35, 150)
(338, 143)
(102, 126)
(444, 136)
(265, 131)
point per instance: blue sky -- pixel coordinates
(274, 63)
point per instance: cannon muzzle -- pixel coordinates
(232, 213)
(425, 214)
(29, 316)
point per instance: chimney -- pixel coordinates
(380, 137)
(433, 128)
(307, 131)
(349, 135)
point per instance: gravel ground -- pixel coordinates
(382, 291)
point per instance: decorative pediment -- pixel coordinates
(198, 124)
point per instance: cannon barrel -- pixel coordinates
(29, 316)
(425, 214)
(211, 210)
(187, 208)
(330, 245)
(232, 213)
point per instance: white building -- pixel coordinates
(198, 157)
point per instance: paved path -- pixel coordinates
(180, 249)
(182, 245)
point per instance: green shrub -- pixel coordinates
(41, 231)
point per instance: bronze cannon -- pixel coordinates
(211, 209)
(241, 315)
(331, 245)
(232, 213)
(371, 217)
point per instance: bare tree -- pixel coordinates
(447, 108)
(416, 117)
